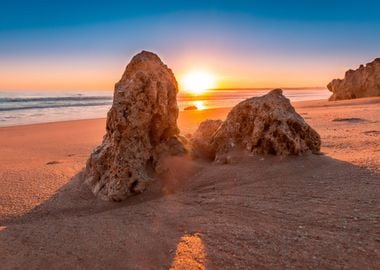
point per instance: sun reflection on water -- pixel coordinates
(200, 104)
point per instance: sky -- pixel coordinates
(85, 45)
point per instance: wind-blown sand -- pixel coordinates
(314, 211)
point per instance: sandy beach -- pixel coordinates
(307, 212)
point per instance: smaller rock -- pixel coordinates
(201, 140)
(191, 108)
(260, 125)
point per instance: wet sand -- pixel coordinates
(313, 211)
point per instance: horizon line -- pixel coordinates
(212, 89)
(266, 88)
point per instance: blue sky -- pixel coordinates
(30, 14)
(86, 44)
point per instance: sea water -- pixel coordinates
(28, 107)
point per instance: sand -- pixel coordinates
(314, 211)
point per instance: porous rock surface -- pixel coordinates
(363, 82)
(262, 125)
(141, 130)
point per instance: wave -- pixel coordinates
(49, 106)
(48, 99)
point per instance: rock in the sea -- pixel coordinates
(363, 82)
(261, 125)
(141, 130)
(191, 108)
(201, 140)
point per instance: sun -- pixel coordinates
(197, 82)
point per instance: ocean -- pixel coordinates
(28, 107)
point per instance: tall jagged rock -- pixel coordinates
(363, 82)
(261, 125)
(141, 130)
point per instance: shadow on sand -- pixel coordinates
(262, 212)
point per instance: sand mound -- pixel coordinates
(141, 130)
(259, 125)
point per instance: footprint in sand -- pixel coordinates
(372, 132)
(350, 120)
(53, 162)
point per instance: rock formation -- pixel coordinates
(141, 130)
(201, 140)
(363, 82)
(259, 125)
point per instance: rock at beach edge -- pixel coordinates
(363, 82)
(141, 130)
(258, 125)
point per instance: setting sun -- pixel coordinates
(198, 82)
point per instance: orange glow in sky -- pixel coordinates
(195, 72)
(227, 46)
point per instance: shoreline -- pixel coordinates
(24, 109)
(217, 111)
(203, 111)
(321, 206)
